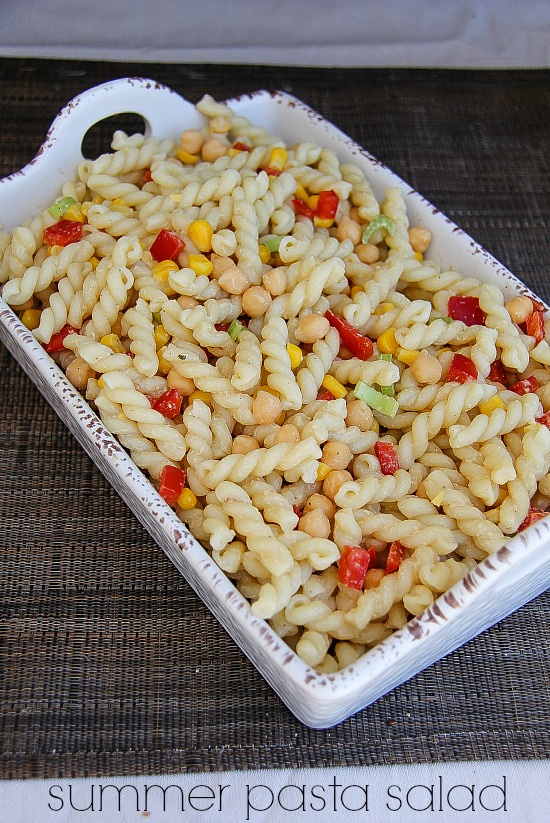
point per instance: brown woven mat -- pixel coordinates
(109, 662)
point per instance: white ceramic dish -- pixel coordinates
(500, 584)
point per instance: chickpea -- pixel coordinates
(420, 238)
(274, 282)
(184, 385)
(355, 216)
(311, 328)
(373, 578)
(287, 434)
(360, 415)
(349, 230)
(319, 501)
(79, 372)
(426, 369)
(519, 308)
(243, 444)
(256, 301)
(212, 149)
(233, 281)
(266, 408)
(315, 523)
(187, 302)
(336, 455)
(367, 252)
(333, 481)
(220, 263)
(191, 141)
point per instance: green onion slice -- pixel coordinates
(376, 400)
(235, 329)
(386, 357)
(379, 222)
(272, 243)
(60, 206)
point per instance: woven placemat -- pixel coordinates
(109, 662)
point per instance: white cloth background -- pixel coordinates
(446, 33)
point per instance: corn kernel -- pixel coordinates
(437, 499)
(490, 405)
(74, 213)
(163, 269)
(205, 396)
(355, 290)
(113, 342)
(387, 343)
(200, 264)
(375, 427)
(97, 200)
(164, 365)
(407, 356)
(187, 500)
(295, 354)
(312, 201)
(200, 234)
(94, 262)
(53, 250)
(264, 253)
(186, 157)
(31, 318)
(84, 208)
(301, 193)
(101, 383)
(234, 152)
(383, 308)
(277, 158)
(161, 336)
(332, 385)
(322, 222)
(419, 256)
(323, 471)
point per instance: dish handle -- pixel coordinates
(165, 113)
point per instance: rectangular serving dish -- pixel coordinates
(514, 575)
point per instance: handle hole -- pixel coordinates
(98, 138)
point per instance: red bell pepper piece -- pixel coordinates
(529, 385)
(222, 326)
(147, 176)
(296, 510)
(544, 419)
(461, 369)
(373, 563)
(172, 481)
(271, 171)
(168, 404)
(353, 566)
(303, 208)
(326, 395)
(537, 305)
(63, 233)
(497, 373)
(359, 345)
(166, 245)
(533, 515)
(387, 457)
(327, 205)
(240, 146)
(466, 309)
(57, 341)
(396, 555)
(534, 326)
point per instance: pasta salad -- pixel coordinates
(346, 427)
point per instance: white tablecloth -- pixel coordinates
(446, 33)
